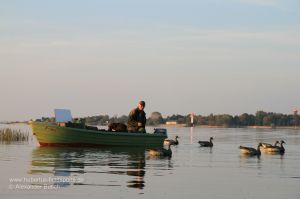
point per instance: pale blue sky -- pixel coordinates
(101, 57)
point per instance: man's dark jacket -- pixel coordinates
(135, 116)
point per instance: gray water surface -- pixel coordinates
(30, 171)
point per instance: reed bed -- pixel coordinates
(8, 135)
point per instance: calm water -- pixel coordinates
(192, 172)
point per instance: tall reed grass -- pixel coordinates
(8, 135)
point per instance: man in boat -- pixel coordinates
(137, 119)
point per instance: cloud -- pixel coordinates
(273, 3)
(291, 6)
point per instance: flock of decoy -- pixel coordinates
(249, 151)
(267, 148)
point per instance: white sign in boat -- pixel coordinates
(62, 115)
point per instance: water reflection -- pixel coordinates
(136, 163)
(250, 161)
(191, 134)
(65, 162)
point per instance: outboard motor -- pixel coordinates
(160, 131)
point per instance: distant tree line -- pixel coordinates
(261, 118)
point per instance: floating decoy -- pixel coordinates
(266, 145)
(271, 148)
(206, 143)
(276, 149)
(250, 151)
(161, 152)
(282, 149)
(171, 142)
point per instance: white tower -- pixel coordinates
(192, 118)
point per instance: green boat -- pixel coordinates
(49, 134)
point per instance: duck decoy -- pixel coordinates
(271, 148)
(251, 151)
(161, 152)
(266, 145)
(206, 143)
(276, 149)
(282, 149)
(171, 142)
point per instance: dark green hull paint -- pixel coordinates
(51, 135)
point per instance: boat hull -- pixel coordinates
(52, 135)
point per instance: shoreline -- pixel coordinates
(210, 126)
(196, 126)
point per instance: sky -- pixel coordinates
(101, 57)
